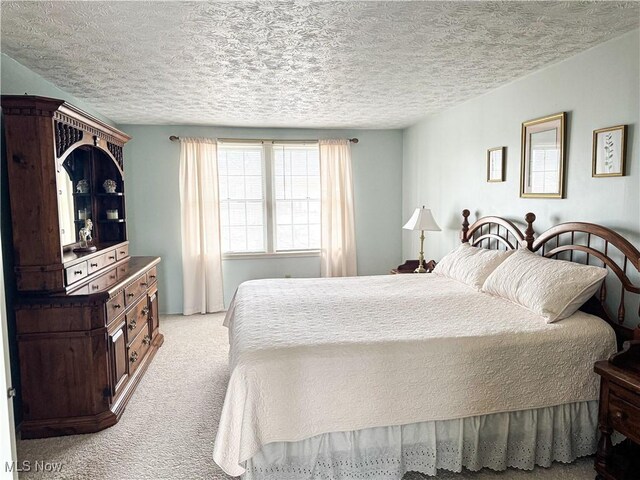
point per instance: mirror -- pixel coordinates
(65, 207)
(542, 170)
(544, 164)
(74, 194)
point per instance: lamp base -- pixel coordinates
(420, 269)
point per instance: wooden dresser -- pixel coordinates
(620, 411)
(86, 314)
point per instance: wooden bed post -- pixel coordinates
(529, 232)
(465, 226)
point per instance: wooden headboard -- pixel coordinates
(579, 242)
(593, 244)
(496, 232)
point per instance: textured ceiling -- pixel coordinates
(296, 64)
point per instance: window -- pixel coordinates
(269, 197)
(297, 197)
(241, 183)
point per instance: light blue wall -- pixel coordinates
(151, 168)
(444, 160)
(18, 80)
(153, 203)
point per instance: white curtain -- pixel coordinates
(200, 222)
(338, 257)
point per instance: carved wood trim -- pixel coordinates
(65, 136)
(116, 151)
(32, 112)
(84, 126)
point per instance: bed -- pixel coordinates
(371, 377)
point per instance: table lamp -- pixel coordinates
(422, 219)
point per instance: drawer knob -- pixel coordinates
(77, 272)
(133, 358)
(112, 258)
(132, 324)
(620, 415)
(122, 252)
(95, 287)
(117, 306)
(94, 264)
(131, 295)
(152, 277)
(146, 340)
(145, 311)
(112, 277)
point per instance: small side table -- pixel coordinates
(410, 265)
(620, 411)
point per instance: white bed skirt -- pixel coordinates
(518, 439)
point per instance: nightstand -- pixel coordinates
(410, 265)
(620, 411)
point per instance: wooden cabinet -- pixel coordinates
(620, 411)
(59, 161)
(118, 358)
(82, 354)
(86, 316)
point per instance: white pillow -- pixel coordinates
(554, 289)
(471, 265)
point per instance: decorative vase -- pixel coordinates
(109, 186)
(82, 186)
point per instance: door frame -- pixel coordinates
(8, 455)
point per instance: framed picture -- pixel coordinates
(543, 157)
(609, 151)
(495, 164)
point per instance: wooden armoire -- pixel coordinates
(86, 321)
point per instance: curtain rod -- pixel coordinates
(174, 138)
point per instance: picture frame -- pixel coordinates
(542, 170)
(609, 152)
(495, 164)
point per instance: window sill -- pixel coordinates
(292, 254)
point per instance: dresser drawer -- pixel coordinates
(138, 349)
(624, 417)
(76, 273)
(137, 318)
(137, 288)
(625, 394)
(102, 261)
(115, 307)
(103, 281)
(123, 270)
(152, 276)
(122, 252)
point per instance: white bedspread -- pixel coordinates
(312, 356)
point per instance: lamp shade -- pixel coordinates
(422, 219)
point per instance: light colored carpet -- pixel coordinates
(168, 428)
